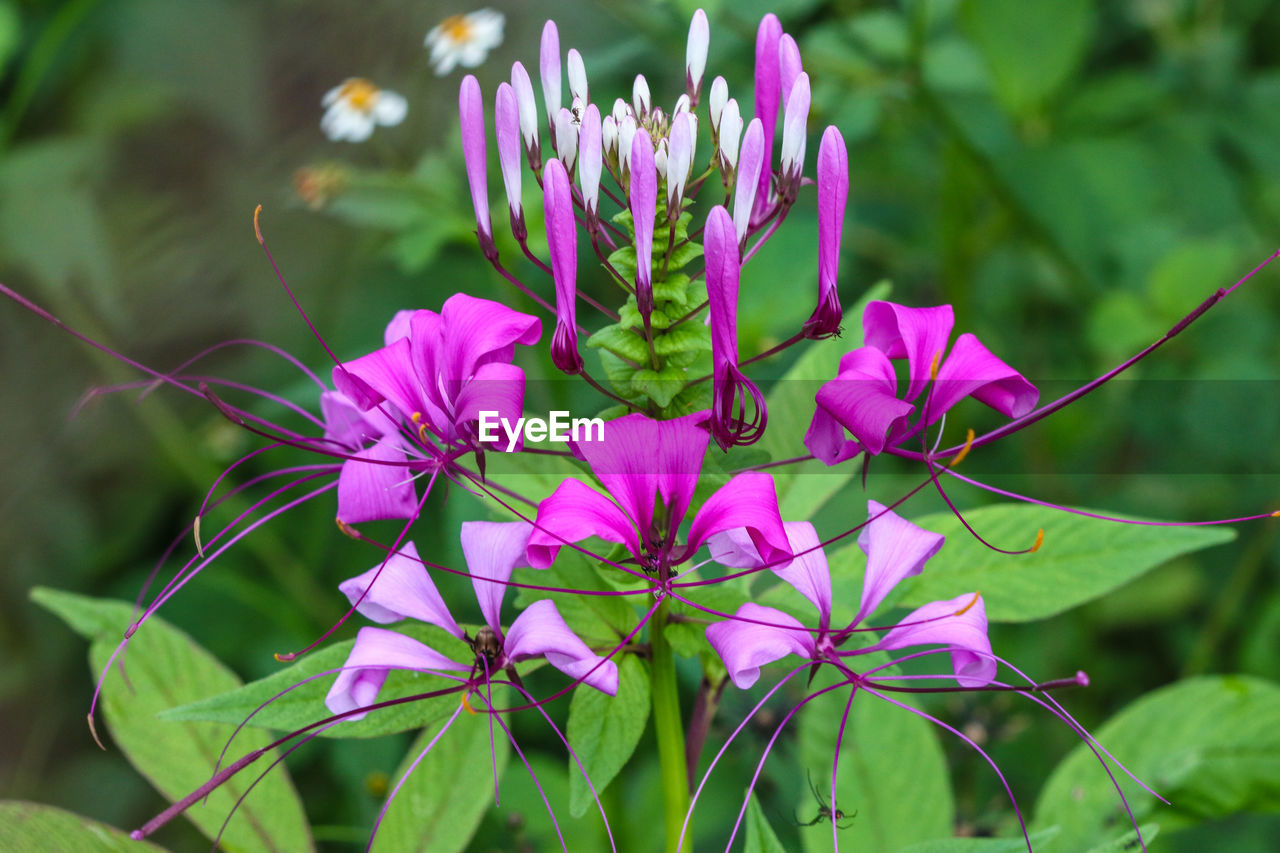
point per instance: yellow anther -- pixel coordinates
(933, 367)
(964, 451)
(1039, 541)
(416, 417)
(195, 528)
(284, 658)
(256, 230)
(1276, 514)
(969, 606)
(467, 705)
(347, 529)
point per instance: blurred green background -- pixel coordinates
(1072, 176)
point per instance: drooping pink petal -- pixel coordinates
(641, 457)
(399, 589)
(369, 489)
(492, 550)
(748, 500)
(540, 630)
(833, 198)
(644, 206)
(745, 647)
(562, 239)
(751, 160)
(808, 572)
(971, 370)
(960, 623)
(919, 335)
(826, 439)
(768, 95)
(573, 512)
(344, 424)
(895, 549)
(495, 393)
(506, 123)
(378, 651)
(863, 399)
(471, 115)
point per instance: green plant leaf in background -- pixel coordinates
(36, 828)
(891, 772)
(1031, 49)
(984, 845)
(439, 807)
(605, 730)
(1081, 559)
(167, 668)
(1210, 745)
(760, 835)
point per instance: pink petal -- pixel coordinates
(540, 630)
(971, 369)
(745, 647)
(825, 439)
(895, 549)
(492, 550)
(918, 334)
(573, 512)
(863, 398)
(401, 588)
(495, 388)
(808, 572)
(374, 490)
(748, 500)
(378, 651)
(386, 374)
(960, 623)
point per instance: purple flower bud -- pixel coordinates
(730, 422)
(562, 240)
(794, 131)
(590, 160)
(695, 55)
(680, 155)
(644, 205)
(751, 162)
(577, 76)
(729, 136)
(833, 196)
(789, 67)
(471, 117)
(506, 121)
(566, 138)
(549, 67)
(716, 101)
(768, 85)
(523, 88)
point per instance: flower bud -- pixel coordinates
(506, 121)
(549, 66)
(577, 76)
(695, 54)
(590, 159)
(523, 89)
(716, 101)
(640, 98)
(730, 134)
(566, 139)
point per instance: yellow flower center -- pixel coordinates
(359, 94)
(456, 29)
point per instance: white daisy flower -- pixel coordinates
(465, 39)
(353, 109)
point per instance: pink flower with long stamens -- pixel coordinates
(402, 588)
(863, 398)
(730, 421)
(650, 469)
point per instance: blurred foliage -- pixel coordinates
(1072, 176)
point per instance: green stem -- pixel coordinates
(669, 730)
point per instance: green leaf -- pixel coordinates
(1081, 559)
(982, 845)
(1031, 49)
(891, 772)
(804, 487)
(760, 835)
(439, 807)
(620, 341)
(36, 828)
(1209, 745)
(10, 32)
(167, 668)
(605, 730)
(661, 386)
(1128, 841)
(305, 705)
(687, 337)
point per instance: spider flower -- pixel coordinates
(402, 588)
(895, 549)
(464, 40)
(729, 386)
(650, 470)
(863, 397)
(354, 108)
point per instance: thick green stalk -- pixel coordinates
(669, 730)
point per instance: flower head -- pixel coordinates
(464, 40)
(354, 108)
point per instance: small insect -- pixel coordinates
(486, 643)
(825, 811)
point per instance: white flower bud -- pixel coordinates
(640, 98)
(621, 109)
(566, 139)
(695, 54)
(716, 101)
(626, 133)
(609, 136)
(730, 134)
(682, 106)
(577, 77)
(660, 158)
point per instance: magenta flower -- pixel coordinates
(650, 470)
(402, 588)
(895, 549)
(562, 238)
(376, 482)
(438, 372)
(730, 421)
(863, 397)
(833, 196)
